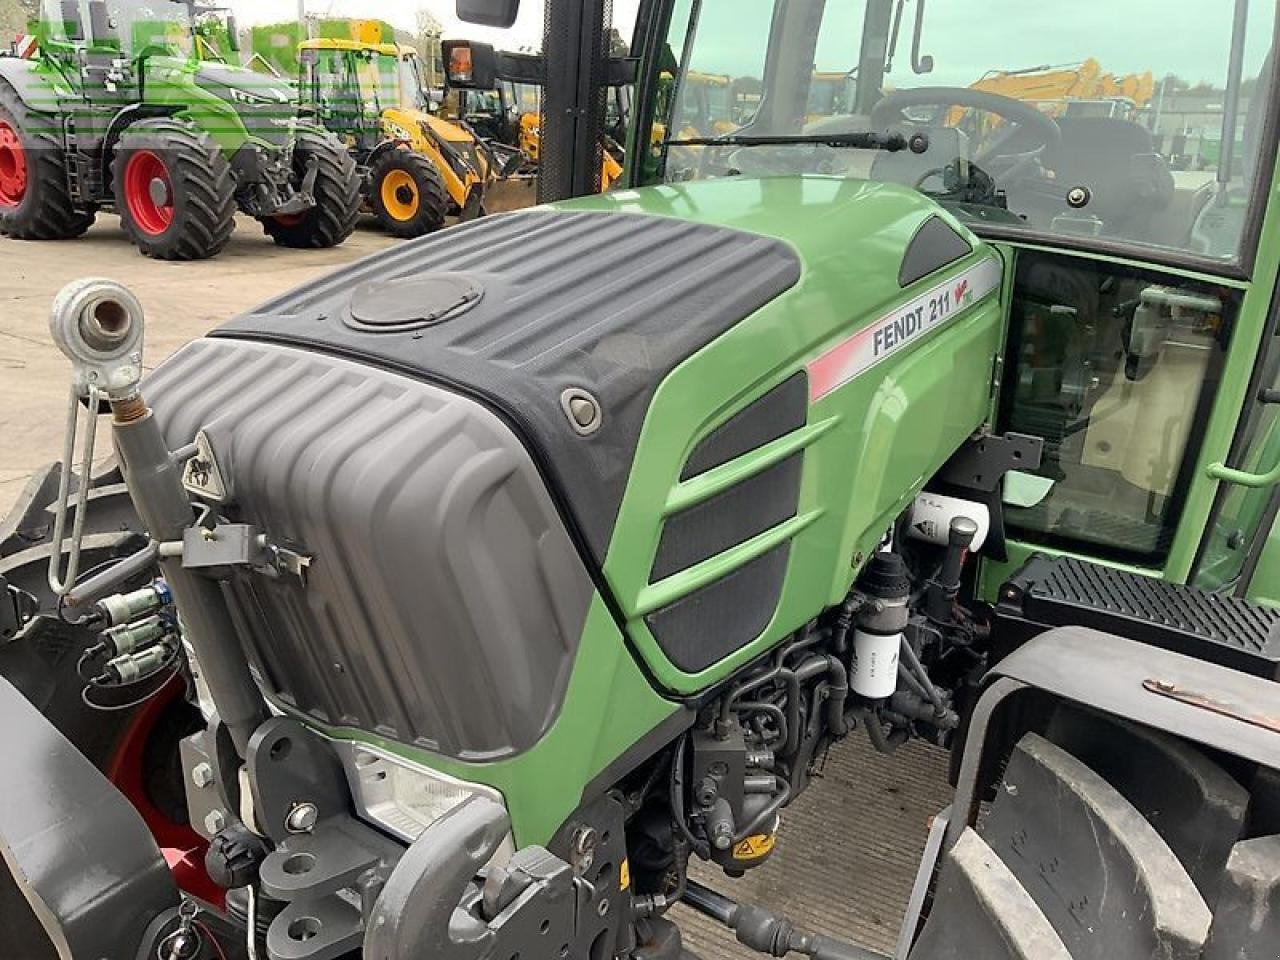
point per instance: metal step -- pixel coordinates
(1196, 806)
(981, 910)
(1063, 591)
(1103, 877)
(1246, 925)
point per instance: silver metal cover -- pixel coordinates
(444, 599)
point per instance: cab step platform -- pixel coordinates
(1064, 591)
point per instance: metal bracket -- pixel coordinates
(986, 457)
(17, 609)
(224, 545)
(432, 905)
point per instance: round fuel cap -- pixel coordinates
(409, 303)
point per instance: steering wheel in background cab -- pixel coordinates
(1009, 154)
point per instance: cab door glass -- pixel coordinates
(1116, 369)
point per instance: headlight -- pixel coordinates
(405, 798)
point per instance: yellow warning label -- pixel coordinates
(624, 875)
(753, 848)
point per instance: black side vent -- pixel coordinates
(709, 624)
(727, 519)
(781, 410)
(935, 245)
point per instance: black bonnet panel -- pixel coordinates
(603, 303)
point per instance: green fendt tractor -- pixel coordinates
(123, 108)
(453, 605)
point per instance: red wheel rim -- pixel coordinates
(288, 219)
(148, 193)
(13, 167)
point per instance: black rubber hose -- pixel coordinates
(700, 847)
(746, 687)
(875, 731)
(780, 718)
(765, 932)
(756, 823)
(917, 668)
(707, 901)
(839, 694)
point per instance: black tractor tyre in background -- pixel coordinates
(407, 194)
(337, 195)
(36, 203)
(174, 190)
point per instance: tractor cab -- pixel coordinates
(1130, 210)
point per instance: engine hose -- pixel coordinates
(884, 743)
(839, 685)
(746, 687)
(844, 622)
(780, 718)
(760, 930)
(907, 677)
(676, 799)
(792, 679)
(930, 691)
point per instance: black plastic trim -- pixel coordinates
(936, 244)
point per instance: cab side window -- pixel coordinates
(1116, 369)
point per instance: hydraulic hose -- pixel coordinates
(884, 743)
(762, 931)
(940, 708)
(706, 901)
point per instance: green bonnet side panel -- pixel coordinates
(868, 442)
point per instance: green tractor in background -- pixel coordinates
(123, 108)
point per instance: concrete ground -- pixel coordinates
(848, 847)
(181, 300)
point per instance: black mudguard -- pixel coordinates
(75, 847)
(30, 87)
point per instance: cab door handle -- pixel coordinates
(1243, 478)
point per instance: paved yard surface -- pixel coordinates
(182, 301)
(848, 847)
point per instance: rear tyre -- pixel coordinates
(174, 190)
(1115, 842)
(407, 194)
(35, 198)
(337, 195)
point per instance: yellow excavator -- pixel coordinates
(510, 115)
(418, 168)
(1072, 89)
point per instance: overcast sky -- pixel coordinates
(966, 37)
(527, 31)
